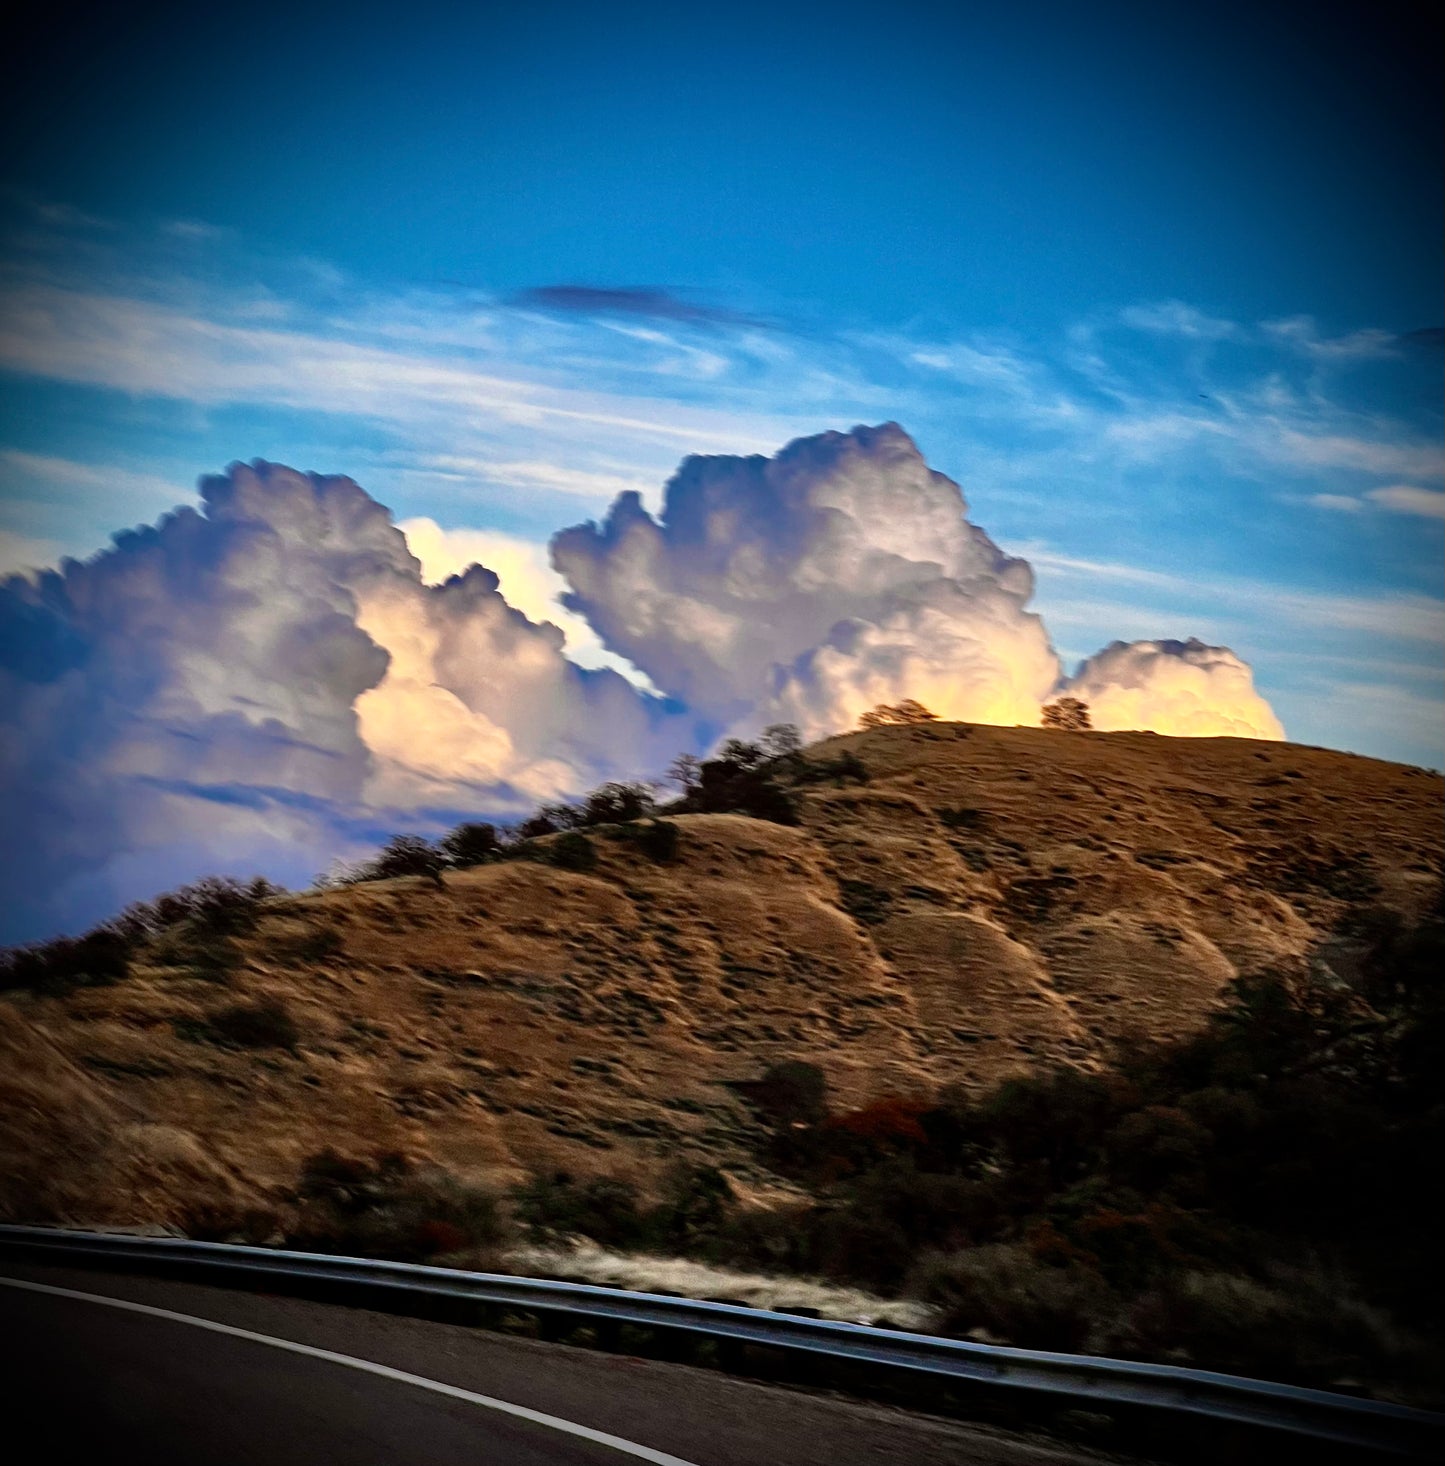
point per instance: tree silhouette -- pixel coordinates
(1068, 713)
(683, 771)
(781, 740)
(906, 713)
(470, 844)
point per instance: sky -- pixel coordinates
(1158, 287)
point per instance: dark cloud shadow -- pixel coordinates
(642, 300)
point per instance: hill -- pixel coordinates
(989, 902)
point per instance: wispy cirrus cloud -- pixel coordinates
(1375, 455)
(1395, 498)
(1175, 318)
(1393, 616)
(1302, 334)
(1408, 499)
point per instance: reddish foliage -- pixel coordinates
(438, 1236)
(1049, 1245)
(890, 1120)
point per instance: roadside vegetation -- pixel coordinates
(1263, 1198)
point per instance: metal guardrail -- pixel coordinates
(1342, 1419)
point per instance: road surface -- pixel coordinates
(288, 1382)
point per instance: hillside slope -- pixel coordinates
(991, 899)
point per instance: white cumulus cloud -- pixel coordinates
(262, 680)
(1183, 688)
(841, 572)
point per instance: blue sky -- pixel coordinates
(1159, 286)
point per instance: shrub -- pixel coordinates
(547, 821)
(657, 840)
(1157, 1148)
(384, 1207)
(98, 958)
(684, 772)
(470, 844)
(214, 906)
(858, 1244)
(1306, 1325)
(1002, 1289)
(200, 918)
(265, 1023)
(741, 754)
(846, 768)
(1054, 1122)
(1132, 1248)
(789, 1093)
(930, 1210)
(617, 804)
(776, 1240)
(890, 1123)
(554, 1208)
(695, 1205)
(407, 855)
(738, 781)
(572, 850)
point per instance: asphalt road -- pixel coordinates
(287, 1382)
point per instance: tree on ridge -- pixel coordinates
(1067, 713)
(906, 713)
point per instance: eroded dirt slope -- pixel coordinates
(990, 900)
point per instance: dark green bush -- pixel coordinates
(1159, 1148)
(791, 1092)
(98, 958)
(216, 906)
(846, 768)
(695, 1205)
(1007, 1292)
(572, 850)
(657, 840)
(199, 920)
(740, 780)
(548, 820)
(1298, 1324)
(554, 1208)
(385, 1207)
(470, 844)
(265, 1023)
(406, 855)
(618, 804)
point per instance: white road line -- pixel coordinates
(598, 1437)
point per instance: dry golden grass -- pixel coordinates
(994, 899)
